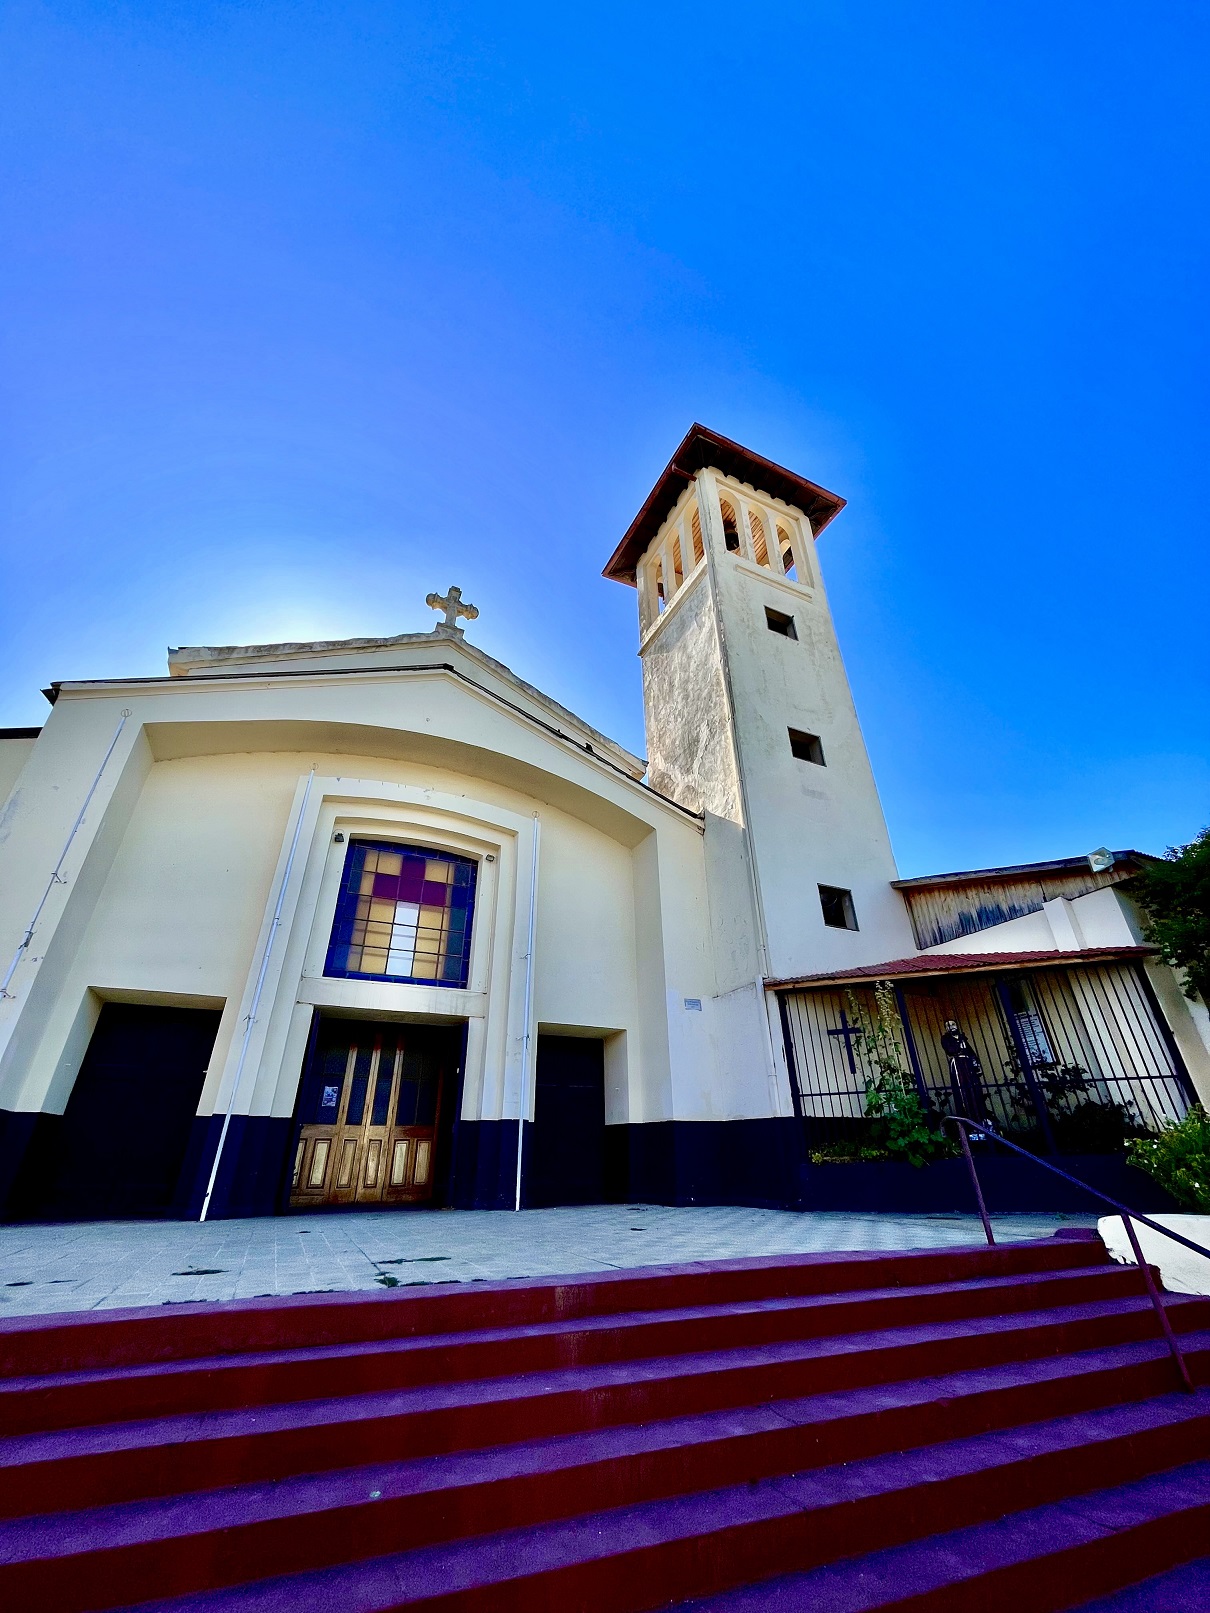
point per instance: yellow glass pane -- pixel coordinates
(381, 911)
(425, 965)
(442, 871)
(373, 961)
(390, 862)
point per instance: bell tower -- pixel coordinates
(750, 718)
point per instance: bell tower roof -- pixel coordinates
(701, 448)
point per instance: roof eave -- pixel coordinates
(701, 449)
(1014, 871)
(946, 963)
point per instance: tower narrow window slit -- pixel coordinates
(695, 533)
(730, 525)
(786, 550)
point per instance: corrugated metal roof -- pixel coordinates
(945, 907)
(1019, 871)
(941, 963)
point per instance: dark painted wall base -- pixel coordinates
(754, 1162)
(251, 1176)
(741, 1162)
(25, 1139)
(483, 1172)
(1008, 1184)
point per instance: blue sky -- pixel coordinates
(307, 309)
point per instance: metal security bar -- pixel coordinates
(1069, 1060)
(967, 1129)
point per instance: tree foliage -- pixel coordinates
(1174, 894)
(1179, 1159)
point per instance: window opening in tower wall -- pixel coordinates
(730, 526)
(787, 554)
(838, 910)
(807, 747)
(779, 622)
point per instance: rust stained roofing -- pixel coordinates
(943, 963)
(702, 448)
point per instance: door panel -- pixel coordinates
(369, 1108)
(119, 1148)
(566, 1160)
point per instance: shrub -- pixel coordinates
(1179, 1159)
(1174, 893)
(900, 1123)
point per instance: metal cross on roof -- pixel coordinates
(451, 604)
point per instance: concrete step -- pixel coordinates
(1045, 1559)
(1180, 1590)
(125, 1461)
(825, 1528)
(317, 1519)
(96, 1341)
(118, 1394)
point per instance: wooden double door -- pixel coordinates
(370, 1111)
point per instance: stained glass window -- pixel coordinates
(404, 914)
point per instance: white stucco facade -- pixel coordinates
(178, 843)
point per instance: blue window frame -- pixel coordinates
(403, 914)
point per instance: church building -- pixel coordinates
(376, 922)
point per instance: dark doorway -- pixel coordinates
(375, 1113)
(118, 1150)
(566, 1159)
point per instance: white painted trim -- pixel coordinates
(493, 1006)
(56, 874)
(530, 1048)
(250, 1020)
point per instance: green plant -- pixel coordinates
(846, 1154)
(1179, 1159)
(1174, 893)
(900, 1123)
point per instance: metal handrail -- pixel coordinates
(981, 1128)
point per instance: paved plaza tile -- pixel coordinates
(98, 1265)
